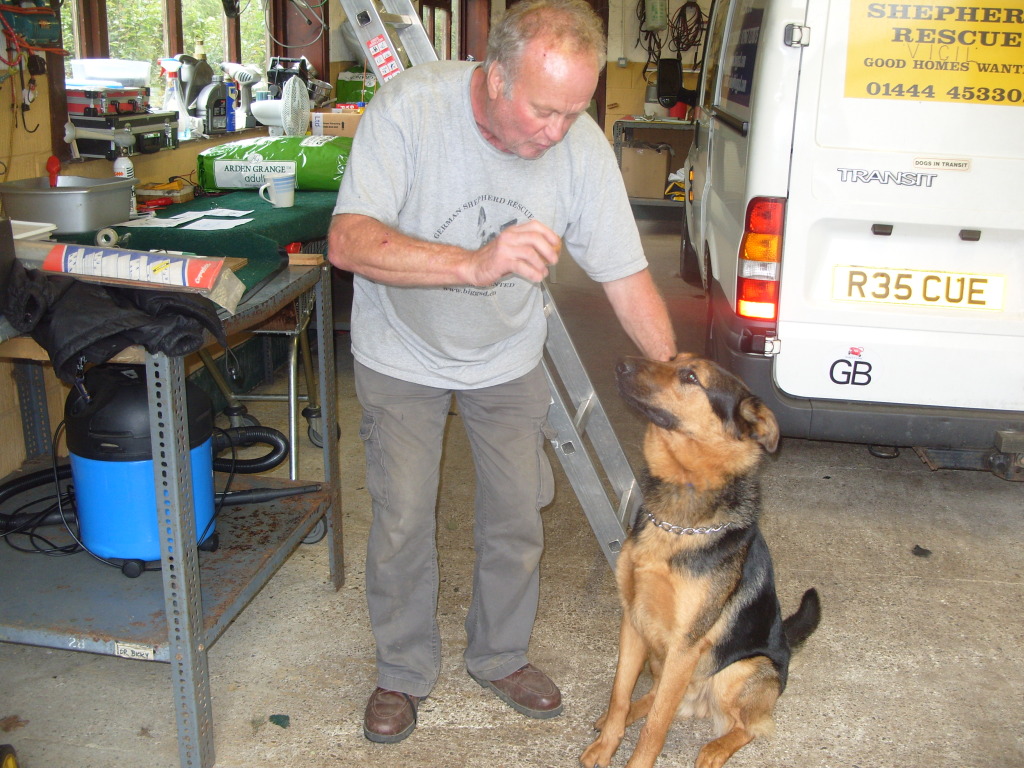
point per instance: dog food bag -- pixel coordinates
(318, 162)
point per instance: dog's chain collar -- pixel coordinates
(681, 531)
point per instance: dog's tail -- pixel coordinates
(799, 626)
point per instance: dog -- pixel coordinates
(695, 576)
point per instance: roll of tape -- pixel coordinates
(106, 236)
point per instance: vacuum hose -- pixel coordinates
(222, 440)
(240, 436)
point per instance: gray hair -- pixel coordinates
(573, 23)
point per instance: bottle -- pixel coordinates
(171, 101)
(211, 107)
(231, 90)
(184, 119)
(171, 94)
(124, 168)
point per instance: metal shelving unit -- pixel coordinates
(80, 604)
(624, 131)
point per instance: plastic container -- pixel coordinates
(232, 95)
(133, 74)
(125, 169)
(212, 107)
(76, 204)
(112, 467)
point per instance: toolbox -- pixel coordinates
(153, 132)
(93, 101)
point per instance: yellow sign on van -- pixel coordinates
(971, 51)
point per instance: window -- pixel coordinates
(144, 30)
(441, 22)
(742, 40)
(712, 59)
(148, 30)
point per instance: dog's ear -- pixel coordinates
(761, 422)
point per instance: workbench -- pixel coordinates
(260, 241)
(77, 603)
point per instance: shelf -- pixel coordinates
(655, 202)
(678, 134)
(77, 603)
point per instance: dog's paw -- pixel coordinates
(599, 754)
(714, 755)
(599, 725)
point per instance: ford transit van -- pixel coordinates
(855, 214)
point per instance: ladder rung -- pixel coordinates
(565, 372)
(398, 21)
(583, 414)
(630, 499)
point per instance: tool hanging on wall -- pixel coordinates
(28, 95)
(31, 27)
(648, 39)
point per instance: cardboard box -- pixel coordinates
(335, 123)
(645, 172)
(183, 195)
(678, 139)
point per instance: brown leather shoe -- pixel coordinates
(390, 716)
(528, 691)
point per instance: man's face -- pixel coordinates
(553, 89)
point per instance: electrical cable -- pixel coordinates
(60, 509)
(60, 506)
(686, 27)
(647, 39)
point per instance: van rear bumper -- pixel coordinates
(918, 426)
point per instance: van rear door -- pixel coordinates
(903, 270)
(747, 69)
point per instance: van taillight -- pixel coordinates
(757, 281)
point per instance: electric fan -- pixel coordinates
(289, 115)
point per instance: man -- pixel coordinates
(463, 184)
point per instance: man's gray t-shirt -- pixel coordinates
(420, 164)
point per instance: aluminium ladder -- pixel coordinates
(390, 35)
(392, 41)
(565, 371)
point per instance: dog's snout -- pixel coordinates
(628, 366)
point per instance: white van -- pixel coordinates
(856, 214)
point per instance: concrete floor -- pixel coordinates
(919, 661)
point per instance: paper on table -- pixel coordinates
(226, 212)
(151, 222)
(210, 224)
(170, 221)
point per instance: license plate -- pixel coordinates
(913, 287)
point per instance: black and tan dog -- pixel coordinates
(695, 577)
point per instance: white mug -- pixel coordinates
(279, 189)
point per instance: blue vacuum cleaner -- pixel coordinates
(112, 462)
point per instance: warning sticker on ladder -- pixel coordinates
(383, 57)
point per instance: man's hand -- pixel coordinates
(366, 247)
(527, 250)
